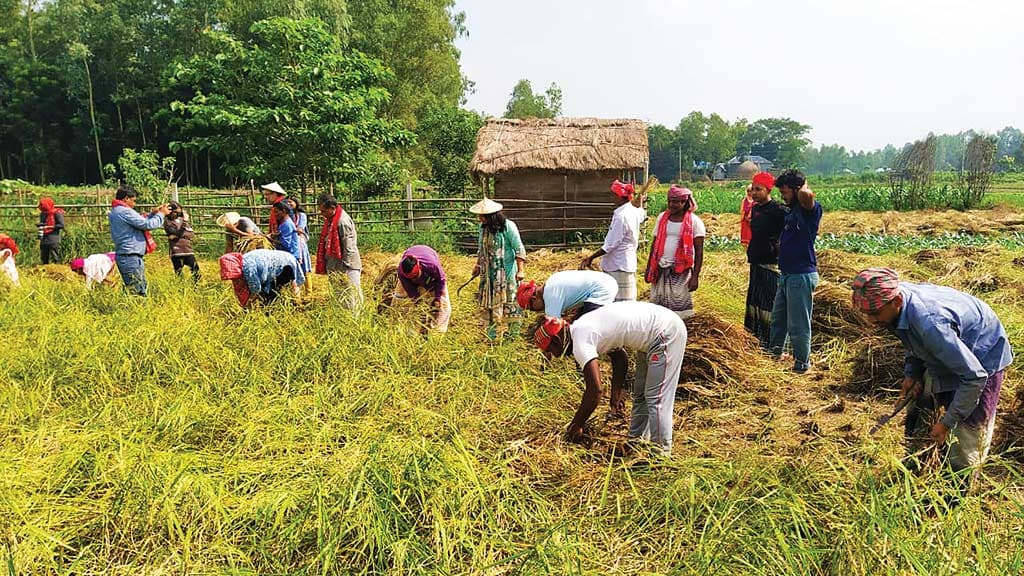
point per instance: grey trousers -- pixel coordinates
(654, 389)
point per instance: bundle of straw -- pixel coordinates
(717, 351)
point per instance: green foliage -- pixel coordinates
(780, 140)
(525, 104)
(448, 134)
(146, 171)
(694, 147)
(286, 104)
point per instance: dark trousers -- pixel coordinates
(189, 260)
(283, 280)
(49, 253)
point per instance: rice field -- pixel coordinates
(180, 435)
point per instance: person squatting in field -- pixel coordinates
(179, 239)
(51, 224)
(798, 265)
(501, 266)
(677, 253)
(618, 252)
(957, 353)
(767, 219)
(132, 241)
(8, 250)
(420, 272)
(261, 275)
(337, 253)
(655, 333)
(96, 269)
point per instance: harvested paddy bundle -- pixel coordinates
(835, 266)
(717, 352)
(926, 255)
(876, 363)
(1009, 435)
(834, 317)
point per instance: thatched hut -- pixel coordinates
(551, 169)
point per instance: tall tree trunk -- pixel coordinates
(209, 171)
(29, 9)
(142, 127)
(92, 116)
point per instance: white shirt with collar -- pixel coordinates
(622, 239)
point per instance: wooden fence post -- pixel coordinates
(408, 209)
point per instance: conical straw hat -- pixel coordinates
(486, 206)
(228, 218)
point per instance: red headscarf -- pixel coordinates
(231, 269)
(684, 250)
(764, 179)
(330, 241)
(46, 206)
(525, 293)
(622, 190)
(8, 243)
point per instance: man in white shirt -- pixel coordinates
(618, 253)
(677, 253)
(657, 335)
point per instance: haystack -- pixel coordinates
(1009, 434)
(747, 170)
(718, 353)
(835, 317)
(876, 364)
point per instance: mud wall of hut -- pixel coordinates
(539, 221)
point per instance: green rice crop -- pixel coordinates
(180, 435)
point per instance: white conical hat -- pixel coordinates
(486, 206)
(228, 218)
(273, 187)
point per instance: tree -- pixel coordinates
(660, 142)
(287, 104)
(448, 134)
(525, 104)
(911, 173)
(975, 173)
(779, 140)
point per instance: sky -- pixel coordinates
(861, 73)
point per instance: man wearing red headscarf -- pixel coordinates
(618, 253)
(677, 253)
(51, 223)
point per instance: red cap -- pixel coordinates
(525, 293)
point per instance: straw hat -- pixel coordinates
(273, 187)
(226, 218)
(486, 206)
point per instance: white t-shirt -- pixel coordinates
(96, 269)
(668, 258)
(627, 324)
(569, 289)
(622, 239)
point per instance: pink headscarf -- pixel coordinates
(874, 288)
(678, 192)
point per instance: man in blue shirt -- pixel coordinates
(130, 232)
(956, 357)
(798, 265)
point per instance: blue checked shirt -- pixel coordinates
(956, 338)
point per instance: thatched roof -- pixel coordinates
(561, 144)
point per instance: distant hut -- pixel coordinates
(541, 163)
(744, 167)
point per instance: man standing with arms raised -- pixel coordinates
(132, 241)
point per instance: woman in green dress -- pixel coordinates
(501, 265)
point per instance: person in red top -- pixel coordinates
(51, 223)
(272, 194)
(745, 209)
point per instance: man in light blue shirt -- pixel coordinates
(130, 232)
(957, 353)
(568, 291)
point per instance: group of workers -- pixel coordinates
(957, 350)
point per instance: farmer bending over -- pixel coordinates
(658, 336)
(261, 274)
(956, 356)
(420, 271)
(96, 268)
(573, 292)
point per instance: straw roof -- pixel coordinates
(562, 144)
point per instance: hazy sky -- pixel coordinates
(862, 73)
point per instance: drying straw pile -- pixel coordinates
(717, 353)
